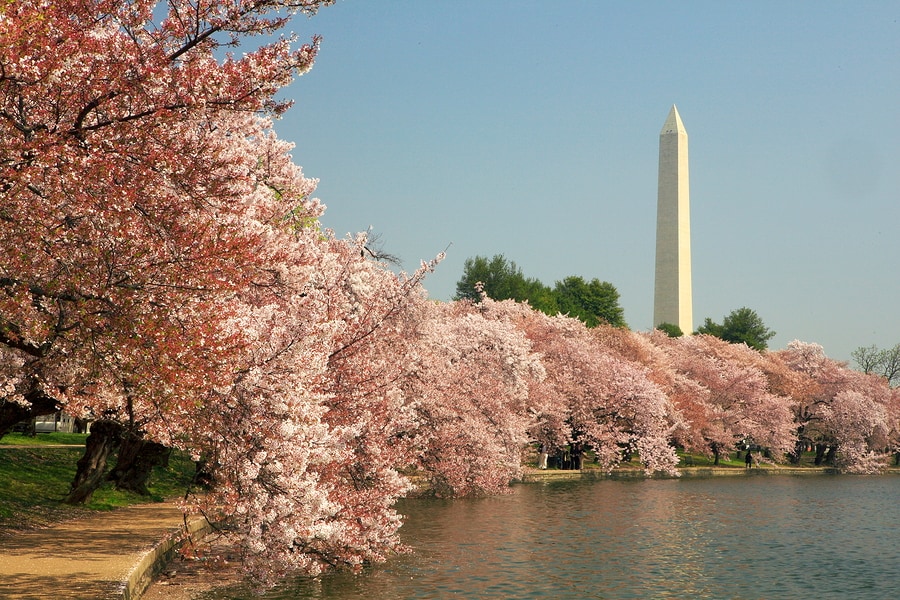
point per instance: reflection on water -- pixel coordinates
(747, 538)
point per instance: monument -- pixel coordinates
(672, 296)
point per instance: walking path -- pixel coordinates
(106, 556)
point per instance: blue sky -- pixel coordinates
(531, 129)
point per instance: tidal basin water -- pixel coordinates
(758, 537)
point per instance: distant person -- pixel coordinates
(749, 459)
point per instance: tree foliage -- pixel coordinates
(670, 329)
(592, 302)
(500, 279)
(741, 326)
(844, 414)
(473, 398)
(731, 402)
(592, 397)
(126, 170)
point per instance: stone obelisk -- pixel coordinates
(672, 297)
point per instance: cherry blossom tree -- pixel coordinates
(733, 403)
(164, 337)
(818, 380)
(308, 443)
(473, 398)
(118, 187)
(125, 196)
(849, 417)
(592, 398)
(786, 380)
(859, 423)
(161, 268)
(162, 271)
(766, 419)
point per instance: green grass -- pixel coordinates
(35, 479)
(688, 460)
(43, 439)
(699, 460)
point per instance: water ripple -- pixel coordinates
(757, 538)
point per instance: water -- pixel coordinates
(743, 538)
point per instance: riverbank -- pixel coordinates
(532, 475)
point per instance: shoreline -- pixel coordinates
(186, 579)
(533, 475)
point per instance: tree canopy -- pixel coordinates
(497, 277)
(670, 329)
(592, 302)
(741, 326)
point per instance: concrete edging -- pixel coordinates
(155, 559)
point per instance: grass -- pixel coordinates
(688, 460)
(43, 439)
(36, 477)
(701, 460)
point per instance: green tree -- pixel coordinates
(593, 302)
(502, 279)
(670, 329)
(541, 297)
(740, 326)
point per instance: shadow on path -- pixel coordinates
(90, 558)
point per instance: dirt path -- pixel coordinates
(92, 558)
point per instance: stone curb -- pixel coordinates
(155, 559)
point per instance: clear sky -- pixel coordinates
(530, 129)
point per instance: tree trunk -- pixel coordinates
(135, 463)
(829, 458)
(203, 474)
(100, 443)
(820, 454)
(715, 451)
(797, 453)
